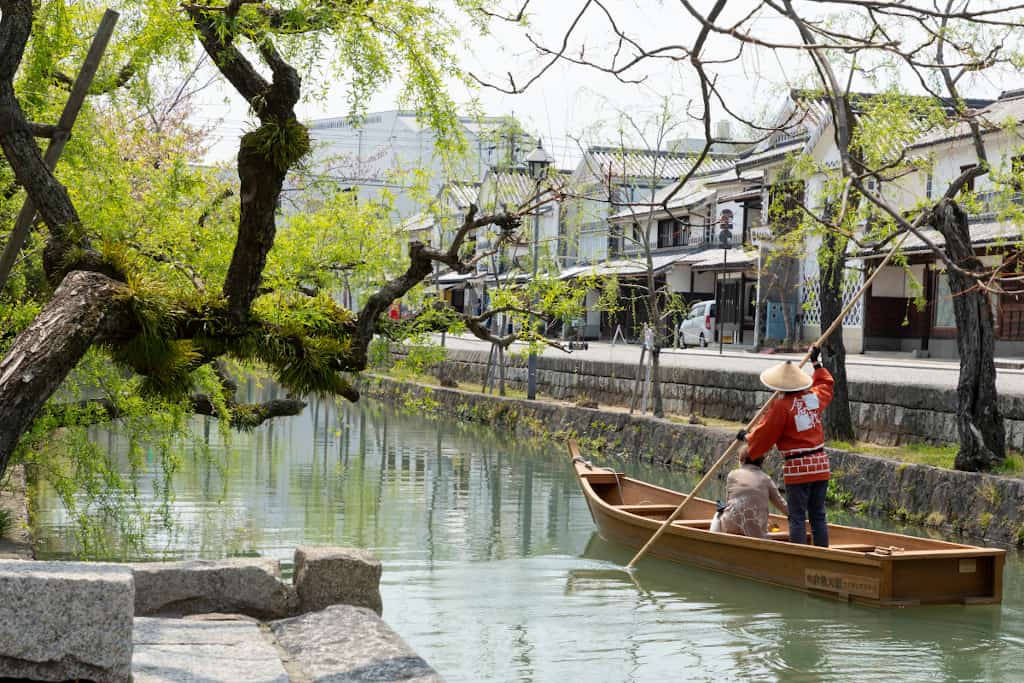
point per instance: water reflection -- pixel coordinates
(493, 570)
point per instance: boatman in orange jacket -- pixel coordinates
(793, 423)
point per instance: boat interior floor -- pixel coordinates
(660, 512)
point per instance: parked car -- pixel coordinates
(699, 326)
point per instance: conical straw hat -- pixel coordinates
(785, 377)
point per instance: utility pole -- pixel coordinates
(537, 163)
(723, 236)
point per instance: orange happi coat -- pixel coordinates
(793, 423)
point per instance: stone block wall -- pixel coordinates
(978, 505)
(889, 414)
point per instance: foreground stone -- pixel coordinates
(250, 586)
(65, 620)
(346, 643)
(192, 650)
(332, 576)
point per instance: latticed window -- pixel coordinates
(812, 300)
(1010, 316)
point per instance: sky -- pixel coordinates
(569, 101)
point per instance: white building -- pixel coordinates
(888, 319)
(393, 152)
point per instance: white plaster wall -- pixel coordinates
(853, 337)
(678, 278)
(593, 247)
(809, 265)
(896, 282)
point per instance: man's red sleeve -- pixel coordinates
(822, 387)
(766, 433)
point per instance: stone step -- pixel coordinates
(169, 650)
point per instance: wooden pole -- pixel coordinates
(750, 425)
(60, 137)
(488, 371)
(636, 382)
(501, 370)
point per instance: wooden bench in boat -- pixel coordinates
(649, 509)
(604, 477)
(854, 547)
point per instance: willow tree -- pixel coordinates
(166, 286)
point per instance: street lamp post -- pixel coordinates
(724, 236)
(537, 164)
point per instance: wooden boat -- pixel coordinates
(861, 565)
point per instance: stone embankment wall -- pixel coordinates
(888, 414)
(978, 505)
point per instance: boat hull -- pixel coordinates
(863, 566)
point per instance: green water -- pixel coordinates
(493, 572)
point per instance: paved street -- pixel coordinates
(885, 368)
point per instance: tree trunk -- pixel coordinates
(84, 310)
(832, 269)
(979, 424)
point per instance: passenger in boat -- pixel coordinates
(749, 490)
(793, 423)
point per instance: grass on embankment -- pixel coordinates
(927, 454)
(915, 453)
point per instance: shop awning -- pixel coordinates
(631, 266)
(720, 259)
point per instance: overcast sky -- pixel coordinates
(571, 101)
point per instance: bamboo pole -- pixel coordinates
(79, 90)
(750, 425)
(636, 384)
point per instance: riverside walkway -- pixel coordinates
(882, 368)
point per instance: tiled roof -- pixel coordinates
(417, 222)
(771, 155)
(510, 188)
(691, 195)
(460, 193)
(981, 233)
(629, 266)
(993, 117)
(616, 163)
(715, 258)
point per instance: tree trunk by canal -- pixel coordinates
(979, 423)
(831, 269)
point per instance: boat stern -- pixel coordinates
(969, 576)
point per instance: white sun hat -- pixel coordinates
(786, 377)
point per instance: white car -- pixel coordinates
(699, 326)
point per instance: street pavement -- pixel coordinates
(880, 368)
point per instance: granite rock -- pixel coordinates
(65, 620)
(169, 650)
(250, 586)
(331, 576)
(346, 643)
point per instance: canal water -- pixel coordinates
(493, 571)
